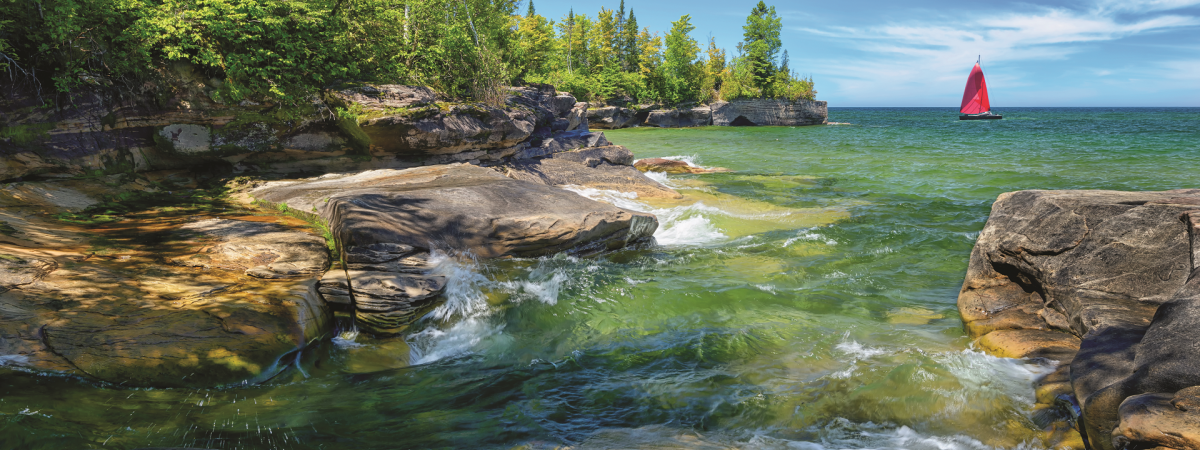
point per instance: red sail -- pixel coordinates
(975, 99)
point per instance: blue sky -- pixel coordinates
(919, 52)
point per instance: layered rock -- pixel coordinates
(672, 166)
(598, 167)
(388, 221)
(1103, 281)
(767, 111)
(700, 116)
(182, 122)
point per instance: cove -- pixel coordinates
(805, 299)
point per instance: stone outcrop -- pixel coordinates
(387, 222)
(1105, 282)
(181, 122)
(743, 112)
(700, 116)
(459, 207)
(764, 111)
(597, 167)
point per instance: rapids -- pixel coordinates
(805, 300)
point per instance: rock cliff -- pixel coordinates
(1108, 284)
(743, 112)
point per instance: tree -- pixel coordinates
(630, 49)
(678, 61)
(535, 44)
(761, 38)
(603, 38)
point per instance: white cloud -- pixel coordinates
(914, 55)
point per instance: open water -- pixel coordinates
(805, 300)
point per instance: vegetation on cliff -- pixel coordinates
(285, 49)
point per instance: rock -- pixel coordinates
(135, 322)
(110, 130)
(257, 249)
(1029, 344)
(562, 142)
(700, 116)
(1116, 269)
(334, 288)
(387, 302)
(672, 166)
(611, 117)
(599, 168)
(766, 111)
(17, 270)
(1160, 420)
(459, 207)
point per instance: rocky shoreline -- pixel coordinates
(114, 266)
(1106, 284)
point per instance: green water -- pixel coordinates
(805, 300)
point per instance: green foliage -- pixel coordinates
(679, 62)
(288, 50)
(761, 44)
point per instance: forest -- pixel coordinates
(285, 50)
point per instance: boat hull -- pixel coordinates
(980, 117)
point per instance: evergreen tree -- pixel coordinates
(761, 37)
(620, 42)
(631, 50)
(531, 12)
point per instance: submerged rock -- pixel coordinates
(1116, 270)
(672, 166)
(127, 319)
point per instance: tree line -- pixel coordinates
(467, 49)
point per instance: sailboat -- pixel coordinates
(975, 104)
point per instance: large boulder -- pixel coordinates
(1115, 270)
(129, 320)
(459, 207)
(598, 167)
(769, 111)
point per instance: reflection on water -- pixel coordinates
(804, 301)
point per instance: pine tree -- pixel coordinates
(631, 50)
(530, 13)
(619, 45)
(761, 35)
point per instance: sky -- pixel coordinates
(918, 52)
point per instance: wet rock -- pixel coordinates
(599, 168)
(260, 250)
(334, 288)
(387, 302)
(1160, 420)
(1116, 269)
(765, 111)
(460, 207)
(1029, 344)
(672, 166)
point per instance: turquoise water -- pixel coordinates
(804, 300)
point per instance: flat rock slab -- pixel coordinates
(599, 168)
(459, 207)
(260, 250)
